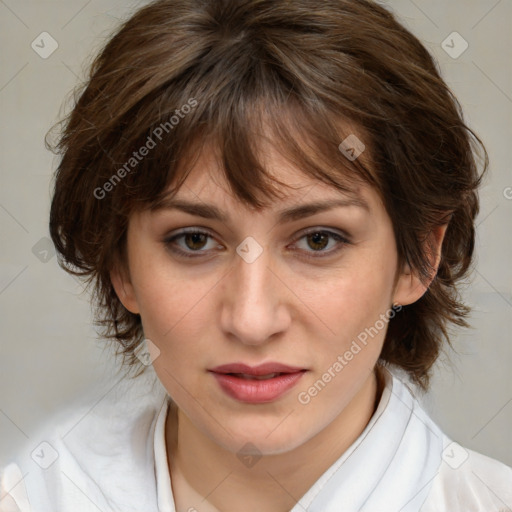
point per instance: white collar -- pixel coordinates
(390, 466)
(165, 499)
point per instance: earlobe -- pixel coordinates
(409, 287)
(124, 289)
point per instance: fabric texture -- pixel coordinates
(112, 457)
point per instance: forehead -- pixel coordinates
(206, 181)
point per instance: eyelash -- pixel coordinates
(169, 241)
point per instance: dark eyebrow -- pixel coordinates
(210, 211)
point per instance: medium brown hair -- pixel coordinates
(303, 68)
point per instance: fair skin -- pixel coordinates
(218, 308)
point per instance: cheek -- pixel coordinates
(350, 308)
(169, 297)
(174, 318)
(345, 357)
(176, 312)
(357, 295)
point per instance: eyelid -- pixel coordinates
(323, 229)
(341, 236)
(169, 238)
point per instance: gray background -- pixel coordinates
(49, 354)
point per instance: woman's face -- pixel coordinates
(308, 295)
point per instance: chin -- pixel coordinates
(262, 440)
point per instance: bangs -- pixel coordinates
(236, 125)
(341, 90)
(239, 143)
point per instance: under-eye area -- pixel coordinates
(274, 210)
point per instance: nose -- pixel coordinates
(254, 308)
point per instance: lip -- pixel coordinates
(261, 369)
(256, 391)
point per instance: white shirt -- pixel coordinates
(112, 457)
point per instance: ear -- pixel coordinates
(409, 287)
(120, 279)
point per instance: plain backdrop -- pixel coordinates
(50, 356)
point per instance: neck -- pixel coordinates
(206, 475)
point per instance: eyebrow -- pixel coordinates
(210, 211)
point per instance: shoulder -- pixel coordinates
(44, 471)
(98, 455)
(461, 480)
(13, 493)
(468, 481)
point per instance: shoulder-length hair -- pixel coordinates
(179, 73)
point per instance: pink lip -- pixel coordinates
(261, 369)
(256, 391)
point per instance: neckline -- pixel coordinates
(391, 419)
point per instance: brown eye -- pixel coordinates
(318, 240)
(190, 244)
(195, 241)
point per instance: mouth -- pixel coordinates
(255, 377)
(256, 384)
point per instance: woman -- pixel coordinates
(274, 203)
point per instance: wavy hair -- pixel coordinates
(304, 69)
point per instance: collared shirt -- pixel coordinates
(113, 457)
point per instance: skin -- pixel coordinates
(217, 309)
